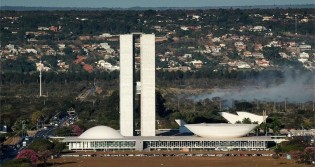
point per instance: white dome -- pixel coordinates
(101, 132)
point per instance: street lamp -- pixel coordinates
(312, 142)
(23, 127)
(37, 123)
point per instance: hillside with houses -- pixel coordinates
(214, 40)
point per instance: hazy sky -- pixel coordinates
(148, 3)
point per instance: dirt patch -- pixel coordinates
(12, 141)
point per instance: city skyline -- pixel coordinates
(148, 3)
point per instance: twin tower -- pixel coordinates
(129, 86)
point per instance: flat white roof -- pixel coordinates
(173, 138)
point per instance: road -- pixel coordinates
(11, 152)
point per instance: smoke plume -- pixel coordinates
(295, 87)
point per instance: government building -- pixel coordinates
(208, 136)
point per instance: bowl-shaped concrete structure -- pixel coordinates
(220, 130)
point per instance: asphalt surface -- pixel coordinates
(11, 152)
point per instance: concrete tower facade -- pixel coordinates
(147, 75)
(128, 84)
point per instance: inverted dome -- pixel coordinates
(220, 130)
(101, 132)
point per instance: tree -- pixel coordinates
(264, 127)
(67, 51)
(63, 131)
(275, 125)
(58, 147)
(44, 155)
(258, 127)
(309, 155)
(76, 130)
(271, 53)
(160, 105)
(305, 156)
(243, 105)
(246, 121)
(296, 155)
(28, 154)
(297, 143)
(42, 147)
(36, 116)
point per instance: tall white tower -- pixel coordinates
(147, 75)
(128, 84)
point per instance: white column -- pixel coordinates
(147, 52)
(126, 91)
(70, 145)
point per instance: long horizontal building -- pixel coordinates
(105, 138)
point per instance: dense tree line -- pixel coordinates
(162, 76)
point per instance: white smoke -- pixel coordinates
(296, 88)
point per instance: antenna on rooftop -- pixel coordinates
(40, 79)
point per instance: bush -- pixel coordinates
(28, 154)
(275, 156)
